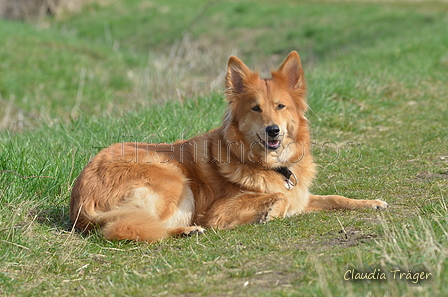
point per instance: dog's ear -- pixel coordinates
(291, 69)
(237, 75)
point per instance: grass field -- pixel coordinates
(377, 73)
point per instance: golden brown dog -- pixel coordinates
(255, 167)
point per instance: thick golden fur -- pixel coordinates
(227, 177)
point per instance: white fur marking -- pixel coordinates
(182, 216)
(143, 198)
(383, 204)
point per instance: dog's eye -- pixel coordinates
(256, 108)
(280, 106)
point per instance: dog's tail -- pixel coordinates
(131, 224)
(116, 222)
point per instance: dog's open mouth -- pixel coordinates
(271, 144)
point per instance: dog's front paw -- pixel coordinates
(272, 213)
(264, 218)
(379, 204)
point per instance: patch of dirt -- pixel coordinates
(346, 238)
(431, 176)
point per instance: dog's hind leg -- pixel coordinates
(330, 202)
(246, 208)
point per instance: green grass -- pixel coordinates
(377, 91)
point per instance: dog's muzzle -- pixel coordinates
(271, 140)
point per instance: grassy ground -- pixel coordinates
(377, 76)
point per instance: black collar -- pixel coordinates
(284, 171)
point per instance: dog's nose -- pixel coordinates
(272, 131)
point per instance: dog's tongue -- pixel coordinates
(273, 143)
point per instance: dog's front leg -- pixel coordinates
(246, 208)
(330, 202)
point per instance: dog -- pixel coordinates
(257, 166)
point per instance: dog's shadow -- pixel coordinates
(54, 217)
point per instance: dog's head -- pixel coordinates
(267, 115)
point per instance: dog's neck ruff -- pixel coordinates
(287, 174)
